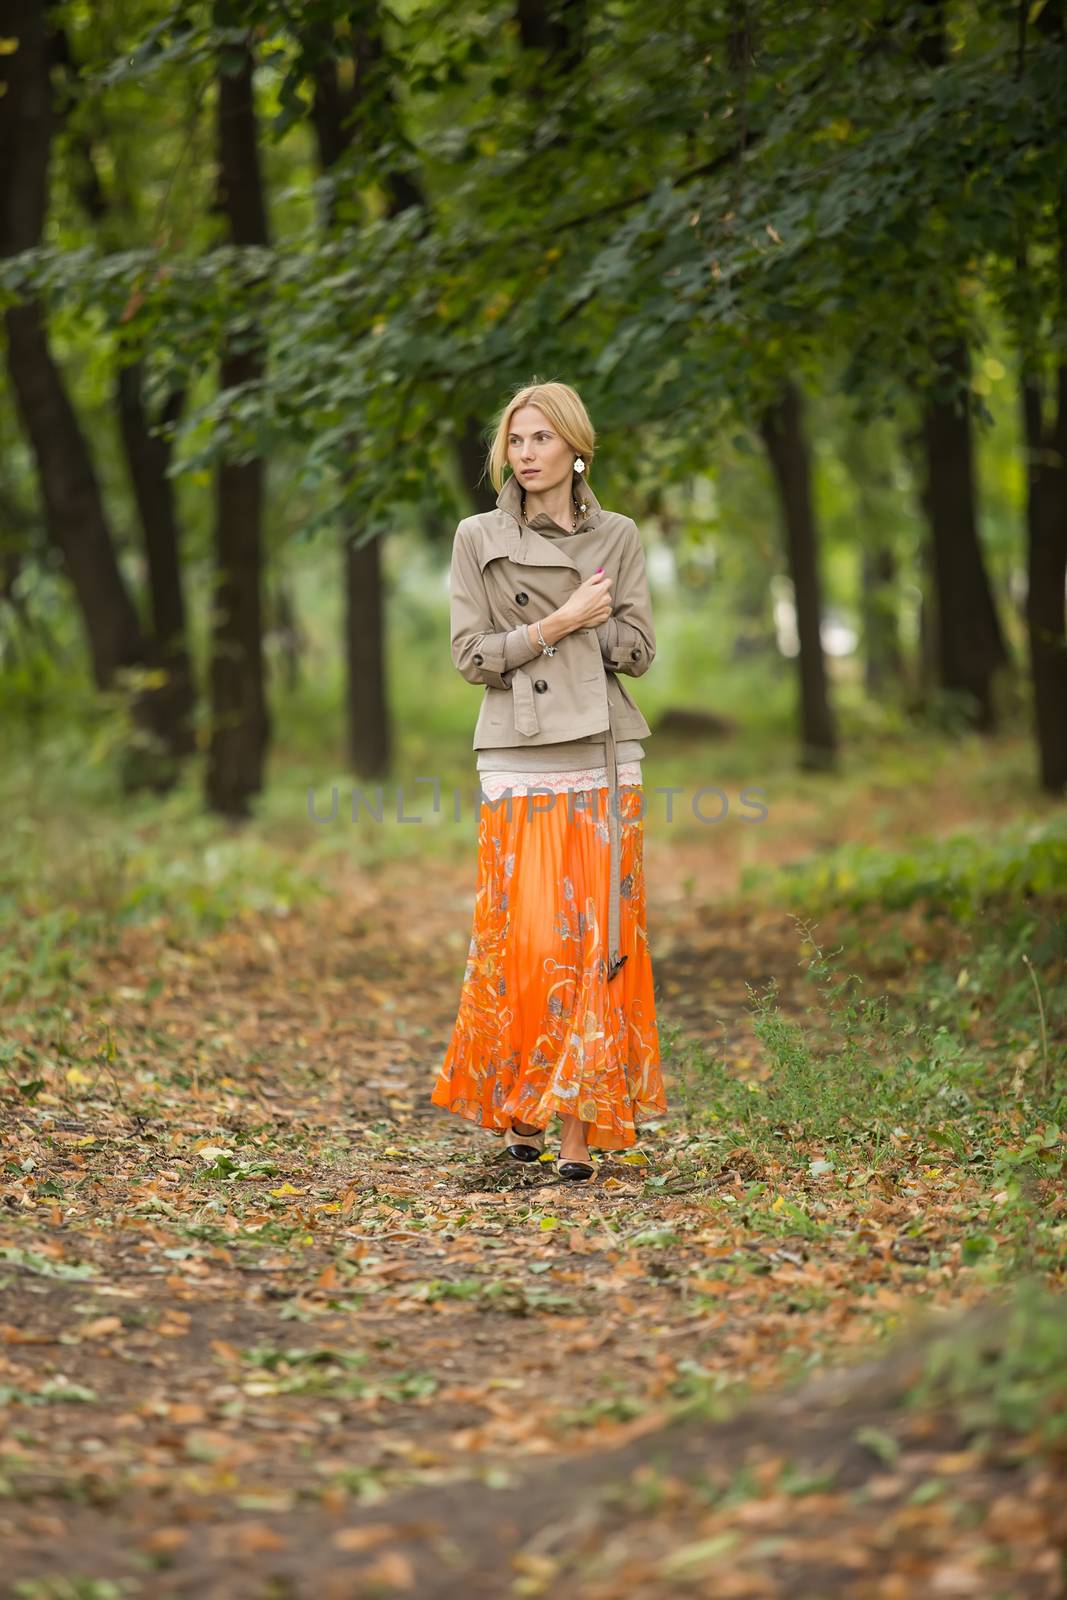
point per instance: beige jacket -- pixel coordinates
(505, 576)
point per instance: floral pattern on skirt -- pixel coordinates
(540, 1029)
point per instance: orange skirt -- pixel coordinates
(540, 1030)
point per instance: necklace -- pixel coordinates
(574, 515)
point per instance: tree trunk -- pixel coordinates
(865, 451)
(782, 429)
(369, 740)
(927, 665)
(1046, 515)
(753, 626)
(147, 457)
(168, 703)
(340, 118)
(882, 662)
(74, 510)
(970, 645)
(283, 627)
(1046, 504)
(471, 450)
(240, 724)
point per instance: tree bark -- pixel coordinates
(340, 118)
(369, 731)
(882, 662)
(927, 664)
(1046, 506)
(147, 459)
(785, 439)
(471, 450)
(970, 645)
(1046, 516)
(283, 628)
(866, 454)
(240, 723)
(169, 703)
(74, 510)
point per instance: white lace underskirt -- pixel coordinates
(495, 785)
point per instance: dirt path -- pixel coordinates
(272, 1325)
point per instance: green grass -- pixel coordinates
(956, 875)
(1008, 1376)
(876, 1085)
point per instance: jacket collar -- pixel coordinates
(525, 543)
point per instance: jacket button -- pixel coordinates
(478, 659)
(635, 655)
(540, 685)
(522, 597)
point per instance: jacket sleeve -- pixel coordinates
(480, 654)
(628, 638)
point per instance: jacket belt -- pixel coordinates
(526, 719)
(615, 959)
(527, 722)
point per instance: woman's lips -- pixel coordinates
(530, 472)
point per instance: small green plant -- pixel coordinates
(1008, 1375)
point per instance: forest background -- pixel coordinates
(267, 273)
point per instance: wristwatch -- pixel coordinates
(546, 649)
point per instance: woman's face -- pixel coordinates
(539, 456)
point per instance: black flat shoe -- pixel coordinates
(524, 1146)
(576, 1171)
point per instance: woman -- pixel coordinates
(549, 601)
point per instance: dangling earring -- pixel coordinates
(579, 464)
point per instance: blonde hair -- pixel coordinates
(563, 407)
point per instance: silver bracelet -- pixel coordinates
(546, 649)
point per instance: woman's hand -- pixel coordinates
(590, 604)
